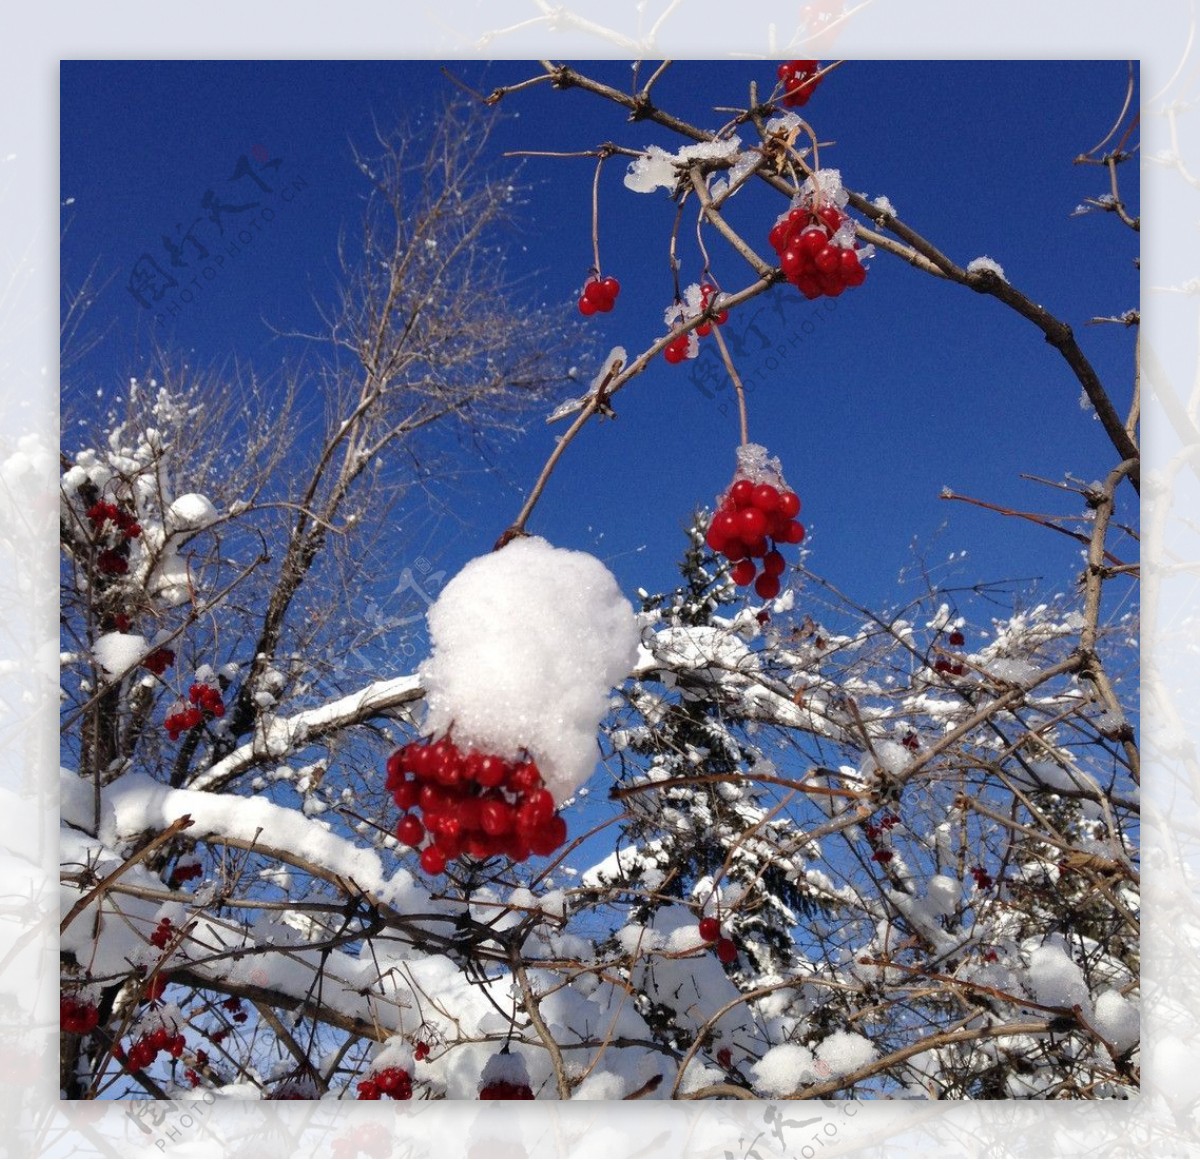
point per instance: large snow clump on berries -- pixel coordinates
(526, 644)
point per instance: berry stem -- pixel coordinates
(596, 212)
(735, 378)
(597, 401)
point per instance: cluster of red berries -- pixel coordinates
(502, 1089)
(886, 824)
(162, 934)
(153, 987)
(710, 932)
(185, 870)
(953, 668)
(77, 1016)
(391, 1081)
(751, 519)
(234, 1006)
(810, 258)
(982, 878)
(796, 76)
(421, 1051)
(159, 660)
(472, 803)
(599, 295)
(144, 1050)
(205, 702)
(680, 347)
(120, 527)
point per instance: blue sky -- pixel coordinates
(904, 387)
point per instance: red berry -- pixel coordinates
(548, 837)
(795, 532)
(743, 573)
(957, 639)
(814, 241)
(831, 217)
(767, 587)
(525, 777)
(751, 524)
(421, 1052)
(409, 830)
(789, 504)
(882, 856)
(433, 860)
(710, 929)
(828, 261)
(766, 498)
(611, 288)
(742, 493)
(773, 564)
(726, 951)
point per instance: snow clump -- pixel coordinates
(526, 644)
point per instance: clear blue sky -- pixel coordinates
(905, 386)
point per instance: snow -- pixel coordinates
(1117, 1019)
(118, 652)
(658, 169)
(1055, 979)
(526, 644)
(190, 512)
(505, 1067)
(988, 265)
(783, 1069)
(846, 1051)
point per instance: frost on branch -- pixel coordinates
(526, 644)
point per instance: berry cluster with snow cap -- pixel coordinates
(472, 803)
(527, 642)
(797, 78)
(757, 513)
(505, 1077)
(114, 529)
(696, 300)
(814, 240)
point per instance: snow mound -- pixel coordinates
(844, 1052)
(1117, 1019)
(526, 644)
(1055, 979)
(783, 1069)
(118, 652)
(191, 512)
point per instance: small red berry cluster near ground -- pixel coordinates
(796, 76)
(145, 1049)
(501, 1089)
(750, 521)
(116, 528)
(205, 704)
(680, 347)
(982, 878)
(810, 257)
(77, 1016)
(599, 295)
(470, 803)
(389, 1081)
